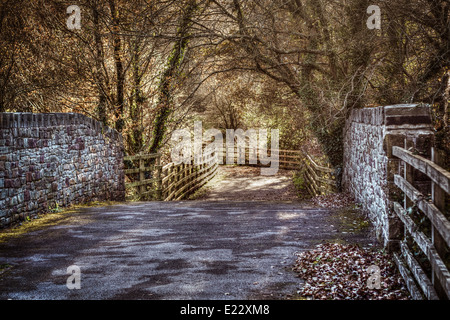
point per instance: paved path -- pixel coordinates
(170, 250)
(239, 183)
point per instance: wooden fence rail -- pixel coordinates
(318, 179)
(429, 276)
(143, 173)
(180, 180)
(287, 159)
(147, 178)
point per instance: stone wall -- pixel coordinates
(56, 159)
(369, 165)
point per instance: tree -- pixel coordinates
(146, 68)
(171, 72)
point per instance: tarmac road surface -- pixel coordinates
(169, 250)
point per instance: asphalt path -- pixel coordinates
(169, 250)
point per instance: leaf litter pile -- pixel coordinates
(333, 200)
(340, 272)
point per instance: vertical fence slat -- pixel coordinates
(159, 178)
(141, 174)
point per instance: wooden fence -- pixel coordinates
(318, 179)
(287, 159)
(143, 176)
(147, 179)
(423, 258)
(181, 180)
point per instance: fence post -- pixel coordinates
(190, 174)
(181, 173)
(169, 182)
(141, 174)
(438, 199)
(159, 179)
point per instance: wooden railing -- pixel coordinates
(148, 180)
(143, 176)
(181, 180)
(318, 179)
(287, 159)
(423, 258)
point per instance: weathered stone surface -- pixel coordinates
(47, 159)
(369, 165)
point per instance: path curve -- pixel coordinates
(242, 183)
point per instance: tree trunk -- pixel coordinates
(101, 106)
(117, 45)
(170, 73)
(135, 137)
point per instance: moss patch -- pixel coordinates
(55, 217)
(4, 267)
(300, 185)
(352, 220)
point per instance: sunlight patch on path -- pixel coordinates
(234, 183)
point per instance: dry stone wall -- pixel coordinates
(56, 159)
(369, 165)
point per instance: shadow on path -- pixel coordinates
(195, 250)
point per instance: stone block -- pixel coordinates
(13, 201)
(407, 110)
